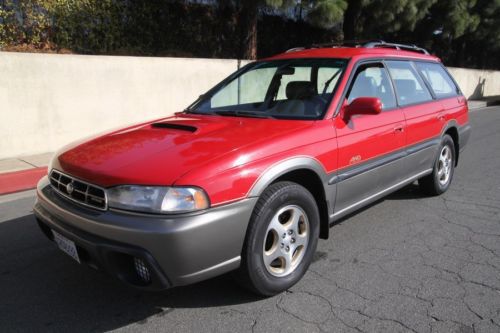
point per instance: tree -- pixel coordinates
(24, 22)
(448, 28)
(367, 19)
(323, 13)
(352, 16)
(484, 42)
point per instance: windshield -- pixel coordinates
(288, 89)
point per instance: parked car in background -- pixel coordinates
(254, 172)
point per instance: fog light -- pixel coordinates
(142, 270)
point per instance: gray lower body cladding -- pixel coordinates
(179, 250)
(361, 185)
(463, 136)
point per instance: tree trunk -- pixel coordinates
(248, 19)
(459, 49)
(226, 30)
(351, 16)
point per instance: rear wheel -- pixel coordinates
(281, 239)
(442, 174)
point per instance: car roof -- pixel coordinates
(353, 52)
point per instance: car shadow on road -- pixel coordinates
(409, 192)
(43, 289)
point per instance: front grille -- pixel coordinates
(79, 191)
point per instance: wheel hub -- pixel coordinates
(286, 240)
(444, 165)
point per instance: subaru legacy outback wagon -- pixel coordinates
(249, 176)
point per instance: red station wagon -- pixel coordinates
(250, 175)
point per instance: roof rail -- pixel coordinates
(300, 48)
(367, 44)
(404, 47)
(349, 43)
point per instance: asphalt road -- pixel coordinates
(405, 264)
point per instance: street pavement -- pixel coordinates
(408, 263)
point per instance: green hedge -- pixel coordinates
(138, 27)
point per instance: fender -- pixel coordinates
(462, 135)
(309, 163)
(282, 167)
(450, 124)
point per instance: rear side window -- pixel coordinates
(441, 83)
(410, 87)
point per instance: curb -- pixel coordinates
(17, 181)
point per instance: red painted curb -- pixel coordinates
(17, 181)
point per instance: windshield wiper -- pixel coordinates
(250, 114)
(327, 83)
(197, 112)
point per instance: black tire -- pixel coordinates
(253, 273)
(431, 184)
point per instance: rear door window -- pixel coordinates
(440, 81)
(410, 88)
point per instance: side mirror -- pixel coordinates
(363, 105)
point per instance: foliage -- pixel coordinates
(24, 22)
(321, 13)
(382, 19)
(87, 26)
(461, 32)
(395, 16)
(326, 13)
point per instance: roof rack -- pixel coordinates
(404, 47)
(366, 44)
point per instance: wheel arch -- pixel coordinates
(307, 172)
(451, 129)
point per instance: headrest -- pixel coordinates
(300, 90)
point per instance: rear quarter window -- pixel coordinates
(440, 81)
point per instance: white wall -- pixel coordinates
(47, 101)
(475, 83)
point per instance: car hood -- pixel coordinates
(159, 152)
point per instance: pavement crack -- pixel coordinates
(338, 286)
(254, 323)
(388, 319)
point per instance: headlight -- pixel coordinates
(157, 199)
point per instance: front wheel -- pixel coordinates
(281, 239)
(440, 179)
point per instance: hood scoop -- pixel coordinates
(179, 127)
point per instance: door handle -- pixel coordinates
(399, 129)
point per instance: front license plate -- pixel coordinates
(66, 245)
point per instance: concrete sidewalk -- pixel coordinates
(22, 173)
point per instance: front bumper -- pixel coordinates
(178, 249)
